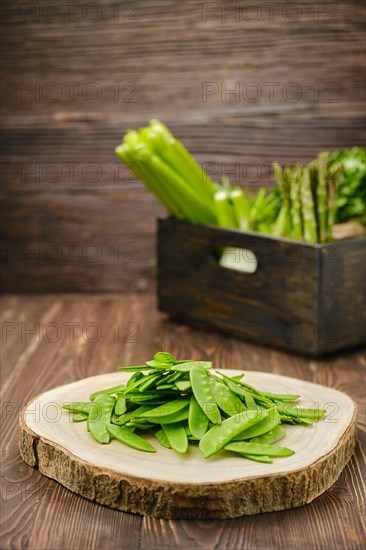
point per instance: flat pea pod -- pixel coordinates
(151, 379)
(108, 391)
(164, 357)
(162, 438)
(77, 406)
(120, 407)
(171, 407)
(257, 449)
(176, 436)
(168, 379)
(257, 458)
(100, 414)
(298, 413)
(80, 417)
(124, 418)
(158, 365)
(179, 416)
(197, 420)
(202, 391)
(139, 368)
(281, 396)
(128, 437)
(218, 436)
(187, 367)
(239, 390)
(270, 419)
(228, 401)
(183, 385)
(274, 435)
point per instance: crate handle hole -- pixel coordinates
(238, 259)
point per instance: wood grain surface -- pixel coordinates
(37, 513)
(241, 85)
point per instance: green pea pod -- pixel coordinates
(158, 365)
(256, 449)
(77, 406)
(270, 419)
(162, 438)
(168, 379)
(169, 408)
(139, 368)
(187, 367)
(80, 417)
(201, 390)
(164, 357)
(257, 458)
(128, 437)
(281, 397)
(274, 435)
(108, 391)
(197, 420)
(300, 413)
(218, 436)
(183, 385)
(239, 390)
(179, 416)
(176, 436)
(228, 401)
(151, 378)
(120, 407)
(100, 414)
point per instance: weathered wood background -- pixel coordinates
(241, 84)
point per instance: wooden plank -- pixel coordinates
(215, 43)
(31, 502)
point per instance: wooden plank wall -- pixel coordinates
(240, 83)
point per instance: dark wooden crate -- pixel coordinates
(305, 298)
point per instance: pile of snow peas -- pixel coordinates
(185, 402)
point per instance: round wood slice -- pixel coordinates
(168, 485)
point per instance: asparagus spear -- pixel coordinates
(322, 196)
(293, 177)
(332, 182)
(284, 191)
(308, 212)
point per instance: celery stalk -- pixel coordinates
(224, 210)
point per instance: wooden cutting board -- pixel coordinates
(168, 485)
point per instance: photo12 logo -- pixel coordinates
(260, 12)
(68, 92)
(269, 92)
(31, 12)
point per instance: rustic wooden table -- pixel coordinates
(50, 340)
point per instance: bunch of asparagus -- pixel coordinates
(308, 199)
(302, 207)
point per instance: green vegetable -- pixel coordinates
(177, 437)
(180, 403)
(99, 417)
(218, 436)
(201, 390)
(258, 449)
(350, 201)
(197, 420)
(305, 205)
(128, 437)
